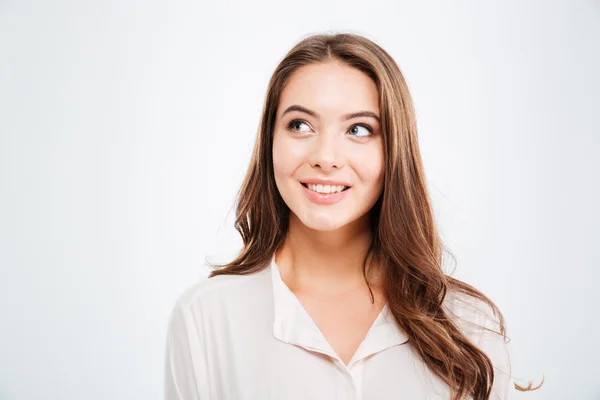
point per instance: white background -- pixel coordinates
(126, 128)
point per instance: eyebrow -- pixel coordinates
(343, 118)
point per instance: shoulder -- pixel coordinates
(220, 288)
(481, 325)
(472, 315)
(213, 301)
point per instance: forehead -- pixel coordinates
(331, 88)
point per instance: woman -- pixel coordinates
(338, 292)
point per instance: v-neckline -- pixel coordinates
(293, 324)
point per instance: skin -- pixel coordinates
(326, 244)
(321, 259)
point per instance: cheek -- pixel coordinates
(286, 157)
(279, 156)
(369, 166)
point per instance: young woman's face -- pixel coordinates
(317, 139)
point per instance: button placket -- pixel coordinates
(347, 391)
(356, 372)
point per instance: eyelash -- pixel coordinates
(367, 127)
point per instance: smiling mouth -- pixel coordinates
(343, 190)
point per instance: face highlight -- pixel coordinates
(327, 129)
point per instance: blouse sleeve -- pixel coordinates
(494, 345)
(185, 367)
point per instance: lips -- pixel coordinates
(346, 187)
(319, 181)
(323, 198)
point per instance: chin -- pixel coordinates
(323, 223)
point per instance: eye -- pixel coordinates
(367, 130)
(294, 124)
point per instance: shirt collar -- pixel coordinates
(293, 325)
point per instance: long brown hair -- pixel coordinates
(405, 242)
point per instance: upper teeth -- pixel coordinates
(325, 188)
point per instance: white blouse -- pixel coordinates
(244, 337)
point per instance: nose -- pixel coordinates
(326, 152)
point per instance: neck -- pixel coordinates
(324, 261)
